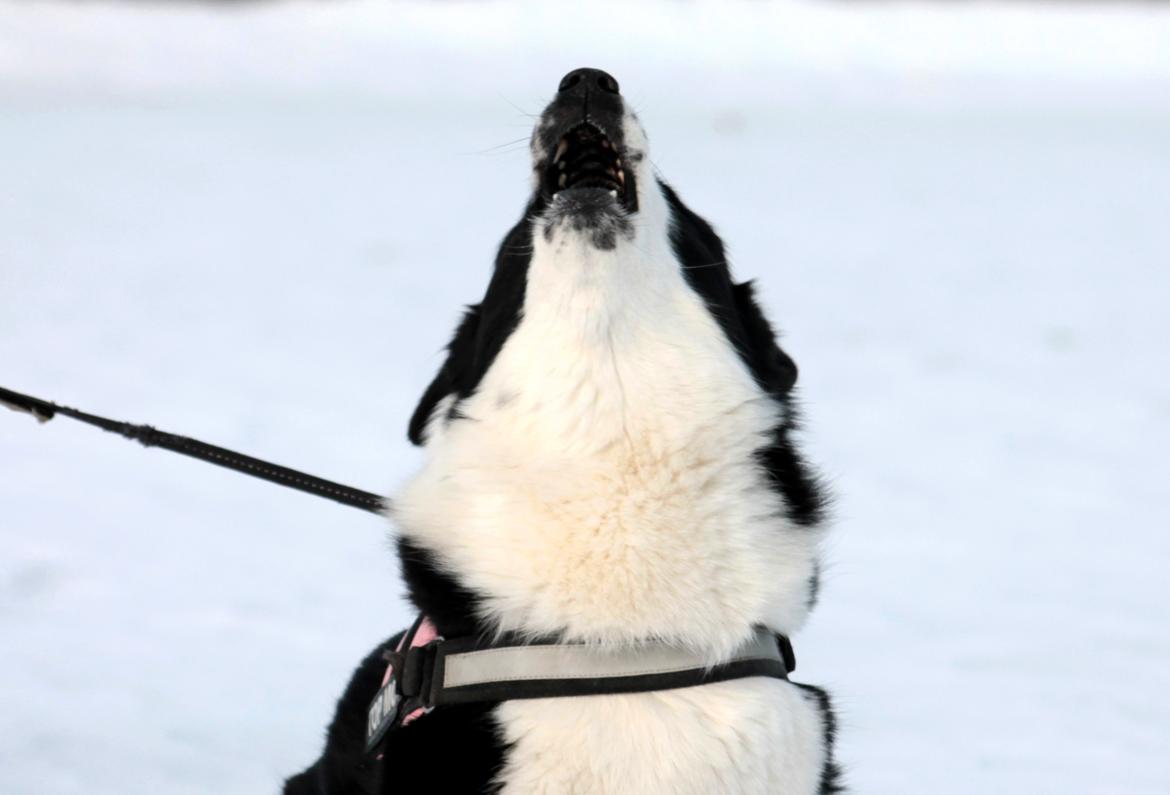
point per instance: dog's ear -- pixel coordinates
(460, 354)
(772, 367)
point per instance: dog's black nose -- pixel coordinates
(588, 79)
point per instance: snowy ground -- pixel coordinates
(256, 225)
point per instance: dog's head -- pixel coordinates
(600, 222)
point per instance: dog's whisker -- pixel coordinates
(517, 108)
(498, 147)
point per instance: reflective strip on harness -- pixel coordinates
(517, 663)
(467, 672)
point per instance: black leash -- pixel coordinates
(44, 411)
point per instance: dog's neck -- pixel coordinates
(602, 482)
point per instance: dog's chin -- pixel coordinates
(595, 214)
(586, 207)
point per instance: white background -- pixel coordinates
(257, 224)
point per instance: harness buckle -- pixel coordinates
(406, 692)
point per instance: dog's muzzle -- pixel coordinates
(582, 134)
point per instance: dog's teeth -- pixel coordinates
(564, 178)
(562, 147)
(613, 193)
(621, 176)
(561, 164)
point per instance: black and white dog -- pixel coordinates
(609, 459)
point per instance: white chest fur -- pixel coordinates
(757, 736)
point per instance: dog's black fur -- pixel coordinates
(453, 750)
(456, 748)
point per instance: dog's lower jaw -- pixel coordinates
(591, 214)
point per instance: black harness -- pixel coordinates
(427, 671)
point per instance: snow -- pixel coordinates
(257, 225)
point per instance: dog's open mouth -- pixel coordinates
(586, 158)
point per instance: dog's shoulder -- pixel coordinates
(344, 765)
(455, 749)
